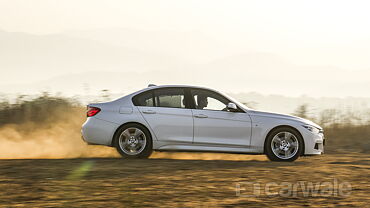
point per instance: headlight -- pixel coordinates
(312, 129)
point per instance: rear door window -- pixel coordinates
(170, 97)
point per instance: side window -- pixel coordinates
(170, 98)
(144, 99)
(208, 100)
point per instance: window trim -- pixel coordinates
(188, 104)
(189, 99)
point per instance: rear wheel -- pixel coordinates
(133, 141)
(284, 144)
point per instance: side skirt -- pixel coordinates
(191, 147)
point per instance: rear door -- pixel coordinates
(165, 111)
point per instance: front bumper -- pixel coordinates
(314, 143)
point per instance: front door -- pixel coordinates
(215, 125)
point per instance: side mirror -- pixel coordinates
(231, 107)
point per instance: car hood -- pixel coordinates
(282, 116)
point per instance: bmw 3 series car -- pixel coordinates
(189, 118)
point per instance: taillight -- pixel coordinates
(92, 111)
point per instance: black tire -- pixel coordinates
(277, 132)
(146, 151)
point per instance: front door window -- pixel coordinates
(207, 100)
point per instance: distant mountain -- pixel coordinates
(40, 57)
(193, 46)
(238, 68)
(125, 59)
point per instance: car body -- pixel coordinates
(176, 120)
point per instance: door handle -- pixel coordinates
(200, 116)
(149, 112)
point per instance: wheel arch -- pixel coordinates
(130, 122)
(283, 126)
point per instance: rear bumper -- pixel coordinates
(97, 131)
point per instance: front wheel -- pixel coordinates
(284, 144)
(133, 141)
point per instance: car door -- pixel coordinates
(165, 111)
(214, 124)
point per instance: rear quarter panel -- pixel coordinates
(120, 112)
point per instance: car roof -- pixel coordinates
(180, 86)
(152, 87)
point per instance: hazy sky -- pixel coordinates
(323, 33)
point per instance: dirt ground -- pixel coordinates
(193, 181)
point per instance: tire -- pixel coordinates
(133, 141)
(284, 144)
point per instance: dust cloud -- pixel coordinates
(56, 141)
(63, 140)
(50, 128)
